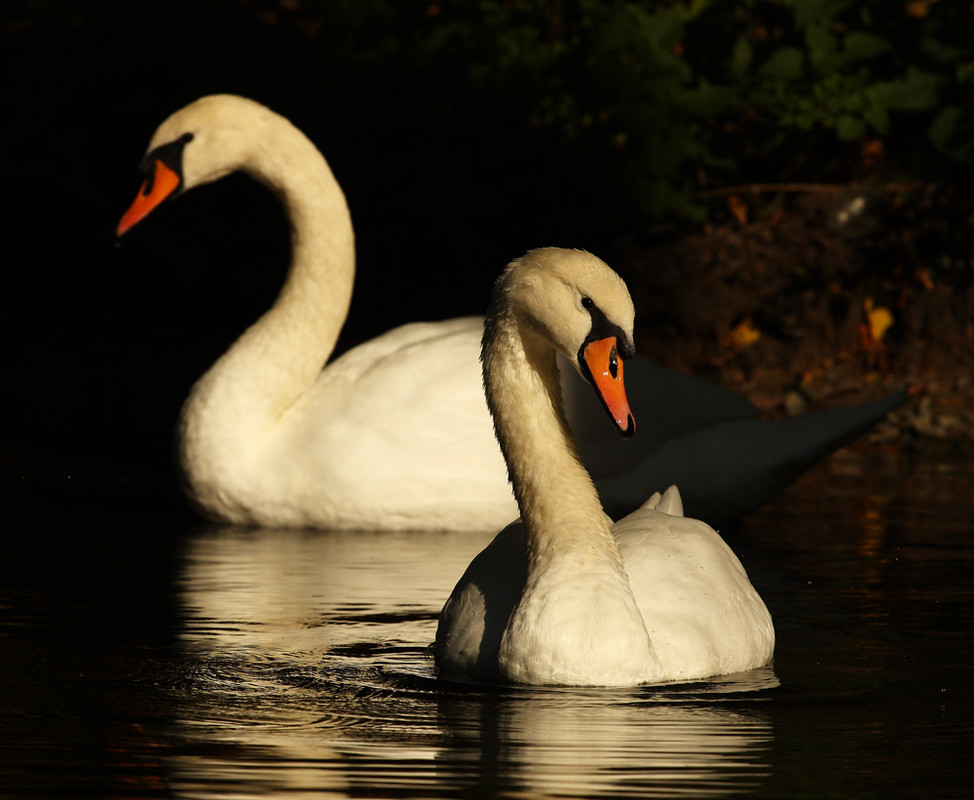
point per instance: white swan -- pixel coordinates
(563, 596)
(395, 433)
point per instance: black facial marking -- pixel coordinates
(603, 329)
(170, 154)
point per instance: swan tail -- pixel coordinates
(669, 502)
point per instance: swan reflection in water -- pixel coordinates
(307, 670)
(595, 742)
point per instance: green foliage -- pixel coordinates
(646, 97)
(841, 76)
(606, 83)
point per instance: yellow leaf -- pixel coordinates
(743, 334)
(879, 319)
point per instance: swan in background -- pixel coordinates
(395, 433)
(564, 596)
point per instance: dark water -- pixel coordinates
(144, 655)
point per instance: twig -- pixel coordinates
(761, 188)
(822, 188)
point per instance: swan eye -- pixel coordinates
(186, 138)
(588, 303)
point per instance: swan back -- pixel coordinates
(700, 609)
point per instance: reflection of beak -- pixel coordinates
(163, 183)
(605, 369)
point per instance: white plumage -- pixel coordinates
(395, 433)
(564, 596)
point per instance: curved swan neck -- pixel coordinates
(318, 290)
(555, 494)
(576, 619)
(285, 350)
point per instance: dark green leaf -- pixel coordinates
(820, 39)
(943, 134)
(876, 116)
(741, 56)
(849, 128)
(863, 46)
(918, 91)
(786, 63)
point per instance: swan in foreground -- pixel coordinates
(564, 596)
(395, 433)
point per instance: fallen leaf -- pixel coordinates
(923, 275)
(879, 319)
(742, 335)
(738, 208)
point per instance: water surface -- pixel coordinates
(148, 656)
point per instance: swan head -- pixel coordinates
(582, 308)
(200, 143)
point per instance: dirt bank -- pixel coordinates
(819, 299)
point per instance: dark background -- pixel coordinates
(103, 338)
(448, 176)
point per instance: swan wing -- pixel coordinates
(674, 402)
(726, 469)
(701, 611)
(474, 617)
(397, 430)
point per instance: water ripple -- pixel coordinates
(325, 679)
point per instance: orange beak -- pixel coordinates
(164, 182)
(605, 367)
